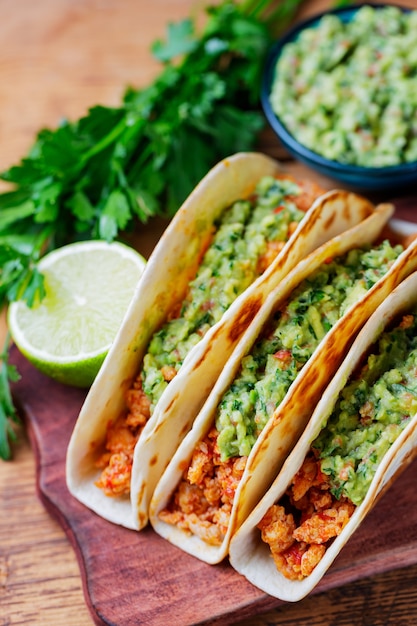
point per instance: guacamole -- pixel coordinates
(370, 413)
(229, 266)
(348, 91)
(292, 336)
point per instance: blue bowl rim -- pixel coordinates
(287, 138)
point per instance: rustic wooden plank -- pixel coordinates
(385, 600)
(40, 579)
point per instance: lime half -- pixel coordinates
(89, 286)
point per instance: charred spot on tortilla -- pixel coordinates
(329, 222)
(141, 492)
(206, 353)
(95, 446)
(333, 355)
(249, 310)
(184, 430)
(154, 460)
(173, 400)
(125, 384)
(183, 465)
(142, 519)
(158, 426)
(350, 204)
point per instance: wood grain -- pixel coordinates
(40, 582)
(39, 575)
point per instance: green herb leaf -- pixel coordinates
(8, 413)
(115, 215)
(180, 40)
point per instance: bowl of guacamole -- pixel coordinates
(340, 92)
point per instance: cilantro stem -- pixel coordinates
(276, 17)
(107, 141)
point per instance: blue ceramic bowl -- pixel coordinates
(372, 179)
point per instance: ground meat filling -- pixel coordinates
(122, 435)
(302, 525)
(371, 412)
(203, 500)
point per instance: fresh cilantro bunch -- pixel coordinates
(108, 172)
(115, 167)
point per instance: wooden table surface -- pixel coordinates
(57, 58)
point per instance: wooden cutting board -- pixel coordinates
(134, 577)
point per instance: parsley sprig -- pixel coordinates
(117, 167)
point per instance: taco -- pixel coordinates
(266, 393)
(238, 234)
(362, 435)
(175, 412)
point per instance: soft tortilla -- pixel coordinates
(291, 417)
(162, 285)
(248, 554)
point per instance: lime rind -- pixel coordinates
(89, 286)
(79, 373)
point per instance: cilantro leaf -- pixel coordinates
(180, 40)
(115, 215)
